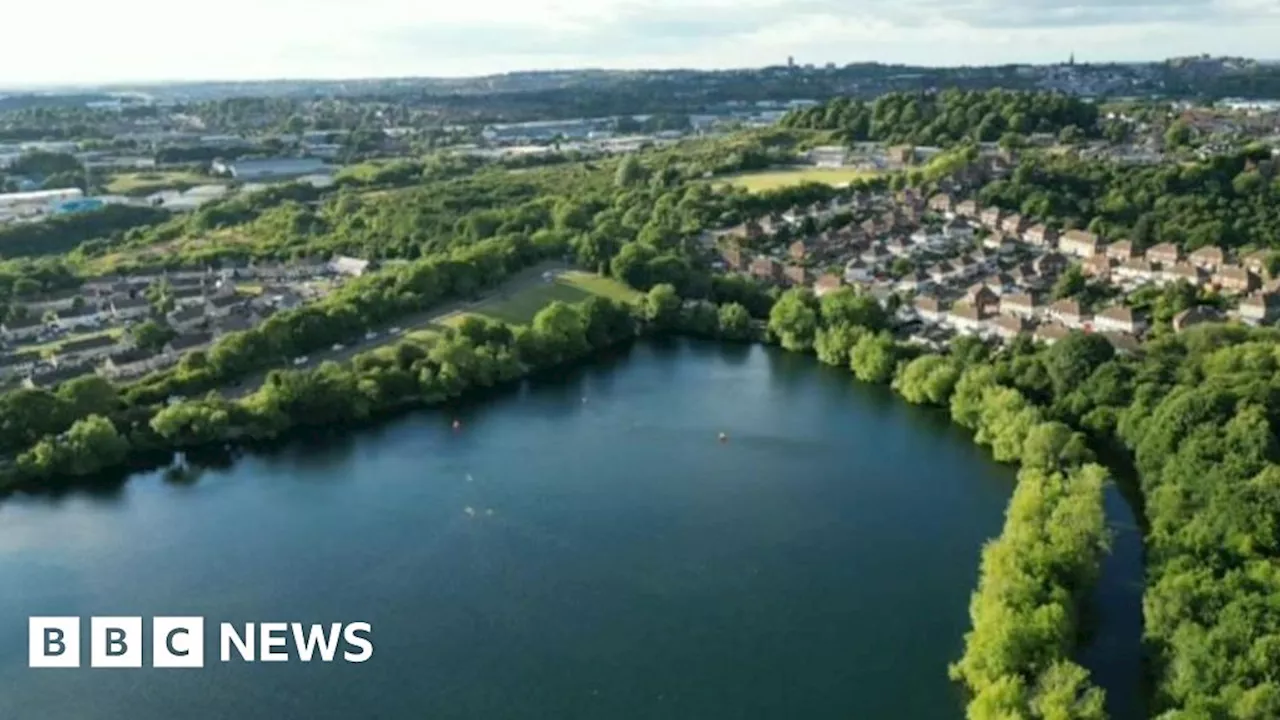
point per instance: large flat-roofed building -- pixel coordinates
(40, 198)
(270, 168)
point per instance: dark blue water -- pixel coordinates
(582, 548)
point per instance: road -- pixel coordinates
(408, 323)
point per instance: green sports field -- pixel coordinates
(774, 179)
(520, 304)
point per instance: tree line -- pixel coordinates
(947, 117)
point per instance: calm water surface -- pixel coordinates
(617, 562)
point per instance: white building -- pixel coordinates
(273, 168)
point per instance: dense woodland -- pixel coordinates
(1232, 201)
(947, 117)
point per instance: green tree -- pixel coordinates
(735, 322)
(794, 319)
(662, 307)
(874, 358)
(151, 335)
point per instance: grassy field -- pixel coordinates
(519, 306)
(774, 179)
(145, 183)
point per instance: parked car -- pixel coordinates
(394, 331)
(371, 335)
(301, 360)
(338, 347)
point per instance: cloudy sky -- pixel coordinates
(90, 41)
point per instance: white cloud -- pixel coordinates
(93, 41)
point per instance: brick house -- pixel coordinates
(1079, 243)
(1164, 254)
(1040, 236)
(1210, 258)
(1119, 318)
(1068, 312)
(1235, 279)
(1120, 251)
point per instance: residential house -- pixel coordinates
(766, 268)
(188, 342)
(856, 271)
(1068, 312)
(1000, 243)
(1025, 276)
(929, 308)
(1183, 271)
(48, 377)
(1260, 308)
(85, 350)
(899, 247)
(730, 252)
(78, 317)
(1050, 333)
(965, 266)
(1040, 236)
(1121, 251)
(941, 203)
(1050, 264)
(278, 296)
(967, 209)
(1009, 326)
(188, 296)
(129, 309)
(981, 298)
(1136, 271)
(958, 229)
(1195, 316)
(1235, 279)
(236, 322)
(1256, 262)
(1014, 225)
(55, 302)
(991, 218)
(984, 260)
(828, 283)
(1164, 254)
(874, 255)
(186, 318)
(1079, 243)
(1020, 305)
(19, 363)
(914, 281)
(942, 271)
(796, 275)
(798, 250)
(1000, 283)
(1098, 266)
(349, 266)
(222, 306)
(965, 319)
(22, 329)
(1210, 258)
(1119, 318)
(130, 363)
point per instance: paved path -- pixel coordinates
(406, 324)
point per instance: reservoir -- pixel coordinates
(584, 546)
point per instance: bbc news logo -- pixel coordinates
(178, 642)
